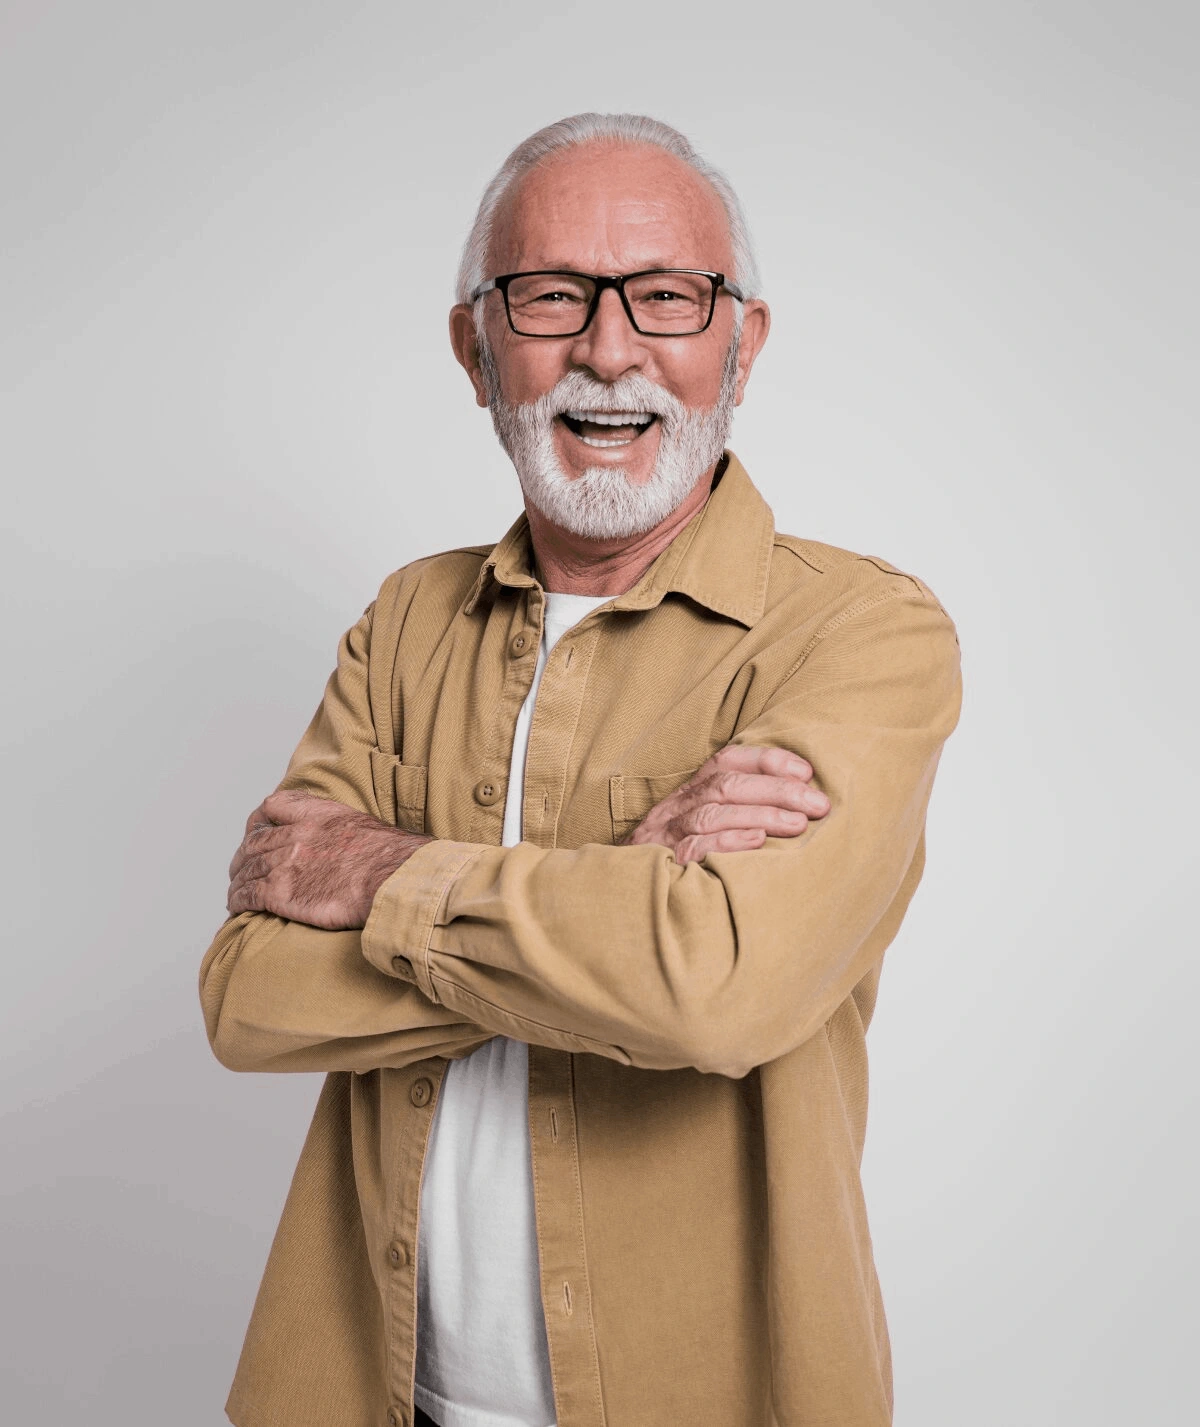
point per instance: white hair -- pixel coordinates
(591, 129)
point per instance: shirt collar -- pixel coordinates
(720, 558)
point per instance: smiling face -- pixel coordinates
(611, 429)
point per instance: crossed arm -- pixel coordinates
(313, 860)
(355, 946)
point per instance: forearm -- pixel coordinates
(720, 965)
(725, 963)
(282, 996)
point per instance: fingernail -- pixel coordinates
(798, 766)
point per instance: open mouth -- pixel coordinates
(608, 428)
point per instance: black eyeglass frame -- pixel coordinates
(617, 282)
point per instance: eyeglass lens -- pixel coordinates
(556, 304)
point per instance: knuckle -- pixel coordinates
(724, 785)
(791, 795)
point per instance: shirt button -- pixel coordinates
(395, 1417)
(397, 1255)
(520, 642)
(402, 966)
(487, 792)
(422, 1092)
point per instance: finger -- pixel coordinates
(761, 789)
(292, 804)
(255, 867)
(266, 837)
(710, 818)
(761, 758)
(246, 897)
(258, 887)
(258, 818)
(694, 849)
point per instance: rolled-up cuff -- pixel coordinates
(398, 931)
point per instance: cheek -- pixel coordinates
(695, 376)
(528, 369)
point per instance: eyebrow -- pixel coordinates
(555, 265)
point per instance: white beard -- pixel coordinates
(603, 504)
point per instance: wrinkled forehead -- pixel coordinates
(611, 208)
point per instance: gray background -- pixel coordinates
(229, 232)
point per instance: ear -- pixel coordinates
(756, 323)
(466, 347)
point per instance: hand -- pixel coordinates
(733, 803)
(313, 860)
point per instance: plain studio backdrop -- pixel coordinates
(229, 235)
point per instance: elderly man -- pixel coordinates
(579, 882)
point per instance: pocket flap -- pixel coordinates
(399, 790)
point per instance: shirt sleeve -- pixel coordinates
(279, 995)
(731, 962)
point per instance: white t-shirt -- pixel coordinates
(482, 1357)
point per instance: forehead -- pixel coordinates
(611, 208)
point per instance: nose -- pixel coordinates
(608, 346)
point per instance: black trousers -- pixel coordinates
(422, 1419)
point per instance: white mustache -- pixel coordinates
(579, 392)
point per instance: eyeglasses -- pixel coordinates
(659, 302)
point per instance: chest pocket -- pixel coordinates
(632, 795)
(399, 791)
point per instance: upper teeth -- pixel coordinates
(613, 418)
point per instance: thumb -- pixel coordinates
(288, 806)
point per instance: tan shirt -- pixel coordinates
(697, 1067)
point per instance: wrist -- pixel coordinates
(396, 855)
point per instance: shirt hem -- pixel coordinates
(451, 1414)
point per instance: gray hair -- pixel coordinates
(601, 128)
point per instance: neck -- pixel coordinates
(570, 564)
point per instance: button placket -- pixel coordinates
(555, 717)
(399, 1248)
(566, 1291)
